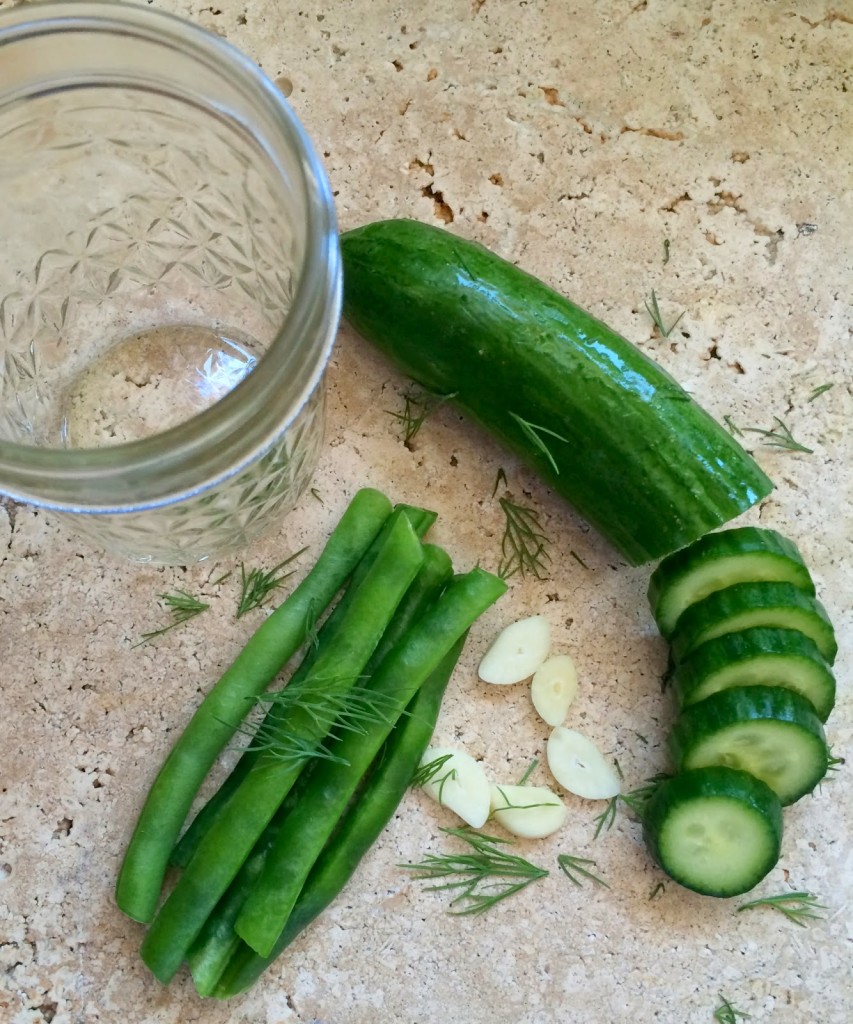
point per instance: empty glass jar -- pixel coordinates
(169, 282)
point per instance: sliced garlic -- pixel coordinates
(460, 784)
(553, 688)
(578, 765)
(531, 812)
(517, 651)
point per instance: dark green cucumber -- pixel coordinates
(744, 605)
(603, 424)
(757, 657)
(768, 731)
(715, 830)
(747, 554)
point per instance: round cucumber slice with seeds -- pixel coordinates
(770, 732)
(758, 656)
(715, 830)
(747, 554)
(744, 605)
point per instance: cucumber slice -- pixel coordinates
(757, 657)
(767, 731)
(747, 554)
(715, 830)
(744, 605)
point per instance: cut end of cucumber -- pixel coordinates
(717, 831)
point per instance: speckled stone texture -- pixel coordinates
(702, 150)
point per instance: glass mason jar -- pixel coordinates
(169, 282)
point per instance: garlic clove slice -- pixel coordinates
(517, 651)
(460, 784)
(578, 765)
(553, 688)
(531, 812)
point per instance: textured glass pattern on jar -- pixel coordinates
(169, 283)
(225, 519)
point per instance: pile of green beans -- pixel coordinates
(285, 831)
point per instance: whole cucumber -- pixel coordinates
(604, 425)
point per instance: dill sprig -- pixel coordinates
(524, 546)
(257, 585)
(799, 907)
(780, 437)
(183, 607)
(657, 890)
(417, 407)
(529, 770)
(576, 866)
(818, 391)
(352, 711)
(653, 309)
(734, 429)
(666, 251)
(481, 878)
(635, 800)
(833, 762)
(429, 771)
(533, 432)
(727, 1014)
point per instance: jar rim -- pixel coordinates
(182, 460)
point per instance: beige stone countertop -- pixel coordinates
(699, 149)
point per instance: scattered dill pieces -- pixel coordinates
(429, 771)
(221, 579)
(818, 391)
(417, 407)
(605, 820)
(257, 585)
(533, 432)
(572, 867)
(618, 768)
(640, 737)
(799, 907)
(481, 878)
(578, 559)
(833, 762)
(734, 430)
(183, 607)
(653, 309)
(635, 800)
(658, 890)
(524, 546)
(780, 437)
(666, 253)
(316, 494)
(531, 768)
(352, 711)
(727, 1014)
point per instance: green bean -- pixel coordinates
(333, 782)
(421, 520)
(356, 833)
(220, 713)
(212, 949)
(235, 831)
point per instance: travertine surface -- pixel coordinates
(588, 141)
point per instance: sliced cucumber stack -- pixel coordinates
(757, 657)
(715, 830)
(772, 733)
(744, 605)
(747, 554)
(751, 649)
